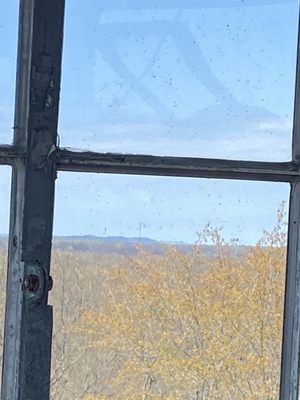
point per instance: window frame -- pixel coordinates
(35, 159)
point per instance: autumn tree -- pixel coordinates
(192, 322)
(192, 325)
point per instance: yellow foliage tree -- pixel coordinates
(193, 325)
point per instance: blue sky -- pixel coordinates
(213, 79)
(207, 81)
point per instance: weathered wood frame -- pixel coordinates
(35, 158)
(28, 317)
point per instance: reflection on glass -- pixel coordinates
(4, 220)
(207, 78)
(8, 56)
(154, 299)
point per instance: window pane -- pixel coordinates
(8, 60)
(206, 79)
(5, 173)
(167, 288)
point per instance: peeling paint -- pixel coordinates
(28, 321)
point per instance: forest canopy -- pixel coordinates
(183, 324)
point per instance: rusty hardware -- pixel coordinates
(32, 283)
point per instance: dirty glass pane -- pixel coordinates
(8, 60)
(167, 288)
(192, 78)
(4, 220)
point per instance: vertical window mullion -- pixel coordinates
(291, 327)
(28, 320)
(291, 324)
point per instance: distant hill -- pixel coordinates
(121, 245)
(107, 245)
(143, 240)
(99, 244)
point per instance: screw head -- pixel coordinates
(31, 283)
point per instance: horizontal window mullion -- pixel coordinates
(86, 161)
(9, 153)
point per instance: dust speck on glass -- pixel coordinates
(205, 79)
